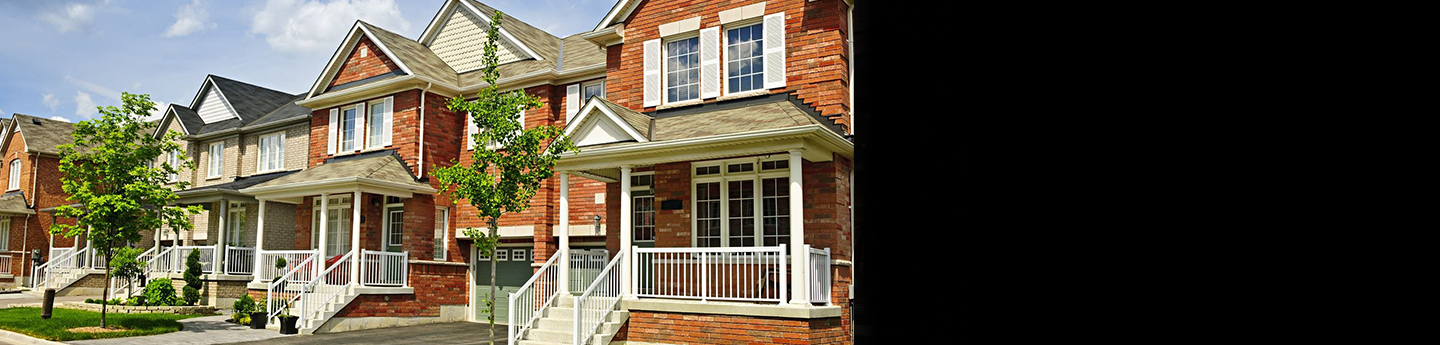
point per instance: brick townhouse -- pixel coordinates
(31, 147)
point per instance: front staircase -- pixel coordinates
(557, 327)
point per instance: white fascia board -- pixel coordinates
(217, 90)
(336, 186)
(823, 138)
(170, 115)
(504, 32)
(347, 46)
(10, 129)
(623, 6)
(590, 108)
(440, 16)
(335, 58)
(384, 49)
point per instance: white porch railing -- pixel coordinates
(379, 268)
(5, 262)
(97, 259)
(584, 267)
(239, 260)
(736, 273)
(182, 253)
(164, 261)
(819, 274)
(60, 267)
(531, 298)
(325, 288)
(286, 289)
(593, 306)
(60, 252)
(292, 257)
(126, 288)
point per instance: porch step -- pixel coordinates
(617, 317)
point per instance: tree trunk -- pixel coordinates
(494, 232)
(105, 295)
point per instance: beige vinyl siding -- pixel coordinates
(458, 42)
(213, 108)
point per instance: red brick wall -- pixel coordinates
(685, 328)
(355, 68)
(435, 285)
(40, 191)
(817, 68)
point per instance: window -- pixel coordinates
(14, 174)
(380, 114)
(592, 90)
(394, 221)
(217, 159)
(442, 223)
(517, 255)
(235, 225)
(502, 255)
(272, 152)
(174, 164)
(481, 256)
(5, 233)
(744, 59)
(682, 70)
(737, 205)
(643, 207)
(347, 129)
(337, 227)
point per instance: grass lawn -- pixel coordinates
(27, 321)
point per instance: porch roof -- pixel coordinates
(227, 191)
(379, 172)
(14, 203)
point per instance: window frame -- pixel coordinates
(278, 138)
(337, 202)
(665, 72)
(386, 219)
(370, 107)
(5, 232)
(633, 209)
(442, 211)
(16, 167)
(340, 147)
(216, 158)
(519, 255)
(238, 235)
(583, 86)
(174, 160)
(725, 58)
(756, 175)
(502, 254)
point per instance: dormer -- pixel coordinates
(458, 31)
(212, 105)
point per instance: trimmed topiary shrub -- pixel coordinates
(160, 293)
(192, 277)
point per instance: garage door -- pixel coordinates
(514, 267)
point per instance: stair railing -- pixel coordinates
(285, 290)
(57, 268)
(327, 287)
(594, 306)
(532, 298)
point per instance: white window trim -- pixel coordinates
(725, 62)
(279, 154)
(174, 160)
(335, 205)
(502, 254)
(756, 175)
(213, 171)
(600, 82)
(238, 235)
(444, 233)
(5, 233)
(633, 188)
(389, 114)
(340, 148)
(664, 81)
(15, 169)
(518, 255)
(385, 220)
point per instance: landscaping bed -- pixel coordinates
(69, 324)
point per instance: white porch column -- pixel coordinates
(219, 242)
(626, 236)
(800, 273)
(319, 261)
(355, 238)
(259, 244)
(564, 233)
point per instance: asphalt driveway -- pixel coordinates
(440, 333)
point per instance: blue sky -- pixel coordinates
(60, 59)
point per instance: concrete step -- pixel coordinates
(566, 322)
(560, 313)
(558, 336)
(539, 342)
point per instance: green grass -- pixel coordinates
(27, 321)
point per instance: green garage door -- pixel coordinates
(514, 267)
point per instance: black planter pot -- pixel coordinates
(287, 324)
(257, 320)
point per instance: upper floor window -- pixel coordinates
(377, 123)
(14, 174)
(744, 58)
(174, 161)
(217, 159)
(5, 233)
(592, 90)
(682, 70)
(272, 152)
(347, 129)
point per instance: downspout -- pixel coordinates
(422, 130)
(24, 249)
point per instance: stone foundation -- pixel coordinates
(124, 309)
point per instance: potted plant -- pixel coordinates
(287, 321)
(258, 316)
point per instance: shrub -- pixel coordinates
(160, 293)
(245, 304)
(137, 300)
(192, 277)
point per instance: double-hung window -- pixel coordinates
(217, 159)
(5, 232)
(682, 70)
(744, 58)
(14, 174)
(376, 122)
(272, 152)
(592, 90)
(642, 195)
(394, 222)
(235, 227)
(347, 129)
(174, 161)
(741, 203)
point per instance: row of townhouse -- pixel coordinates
(716, 134)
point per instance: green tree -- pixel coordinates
(509, 170)
(109, 170)
(126, 264)
(192, 277)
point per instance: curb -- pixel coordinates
(25, 339)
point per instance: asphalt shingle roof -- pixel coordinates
(14, 202)
(780, 113)
(379, 165)
(640, 122)
(421, 60)
(44, 135)
(241, 182)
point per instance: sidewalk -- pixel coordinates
(200, 330)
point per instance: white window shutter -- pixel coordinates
(334, 122)
(360, 129)
(774, 50)
(710, 62)
(652, 73)
(572, 102)
(470, 131)
(389, 120)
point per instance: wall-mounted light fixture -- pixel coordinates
(597, 224)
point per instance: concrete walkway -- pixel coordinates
(25, 298)
(198, 331)
(439, 333)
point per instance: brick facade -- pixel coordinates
(686, 328)
(41, 187)
(435, 285)
(357, 67)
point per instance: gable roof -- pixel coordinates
(729, 117)
(253, 104)
(43, 135)
(421, 60)
(598, 112)
(385, 167)
(250, 101)
(618, 13)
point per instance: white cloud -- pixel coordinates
(59, 118)
(158, 113)
(298, 26)
(71, 17)
(84, 106)
(50, 101)
(189, 19)
(93, 87)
